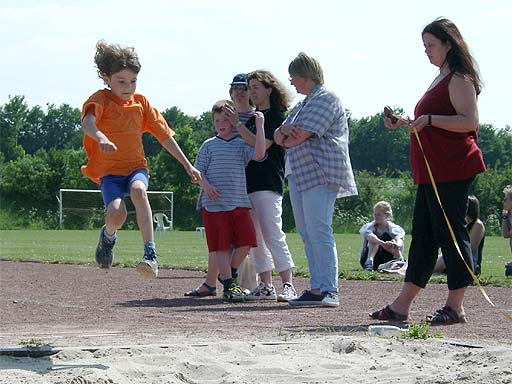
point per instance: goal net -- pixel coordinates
(84, 208)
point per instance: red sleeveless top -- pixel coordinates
(452, 156)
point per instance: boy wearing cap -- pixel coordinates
(238, 92)
(223, 199)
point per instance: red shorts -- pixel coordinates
(227, 228)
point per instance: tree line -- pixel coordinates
(41, 152)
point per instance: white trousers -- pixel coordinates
(272, 250)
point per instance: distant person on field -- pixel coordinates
(383, 240)
(113, 120)
(223, 199)
(506, 223)
(476, 230)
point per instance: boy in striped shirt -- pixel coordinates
(223, 199)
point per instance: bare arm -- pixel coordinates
(372, 238)
(174, 149)
(259, 146)
(210, 191)
(477, 233)
(90, 129)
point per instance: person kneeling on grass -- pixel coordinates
(383, 239)
(223, 199)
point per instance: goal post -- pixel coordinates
(84, 207)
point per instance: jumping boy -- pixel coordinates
(223, 199)
(113, 121)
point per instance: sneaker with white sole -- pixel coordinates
(331, 299)
(368, 265)
(288, 293)
(307, 298)
(148, 266)
(262, 292)
(233, 294)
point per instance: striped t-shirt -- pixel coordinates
(223, 164)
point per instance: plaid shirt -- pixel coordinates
(323, 158)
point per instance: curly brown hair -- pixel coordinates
(280, 97)
(112, 58)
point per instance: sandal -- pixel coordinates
(387, 313)
(197, 292)
(446, 316)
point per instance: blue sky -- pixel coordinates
(371, 51)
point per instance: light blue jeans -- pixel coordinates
(313, 210)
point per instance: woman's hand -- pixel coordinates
(399, 123)
(231, 114)
(420, 123)
(292, 130)
(259, 119)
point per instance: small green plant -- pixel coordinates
(31, 343)
(281, 333)
(419, 331)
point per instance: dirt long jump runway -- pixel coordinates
(67, 305)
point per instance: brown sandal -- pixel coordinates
(446, 316)
(387, 313)
(197, 292)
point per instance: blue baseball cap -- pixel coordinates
(241, 79)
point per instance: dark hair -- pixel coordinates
(307, 67)
(458, 57)
(279, 97)
(217, 107)
(473, 207)
(112, 58)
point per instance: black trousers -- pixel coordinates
(382, 256)
(430, 232)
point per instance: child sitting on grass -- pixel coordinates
(383, 240)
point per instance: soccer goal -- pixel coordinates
(84, 208)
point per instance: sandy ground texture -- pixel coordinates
(117, 327)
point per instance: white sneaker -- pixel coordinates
(288, 293)
(148, 266)
(330, 299)
(262, 292)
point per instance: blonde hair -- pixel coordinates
(307, 67)
(385, 208)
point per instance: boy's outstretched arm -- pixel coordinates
(90, 129)
(174, 149)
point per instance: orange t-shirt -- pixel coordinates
(123, 122)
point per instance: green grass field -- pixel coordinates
(187, 250)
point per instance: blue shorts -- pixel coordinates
(118, 187)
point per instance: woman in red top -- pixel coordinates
(446, 118)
